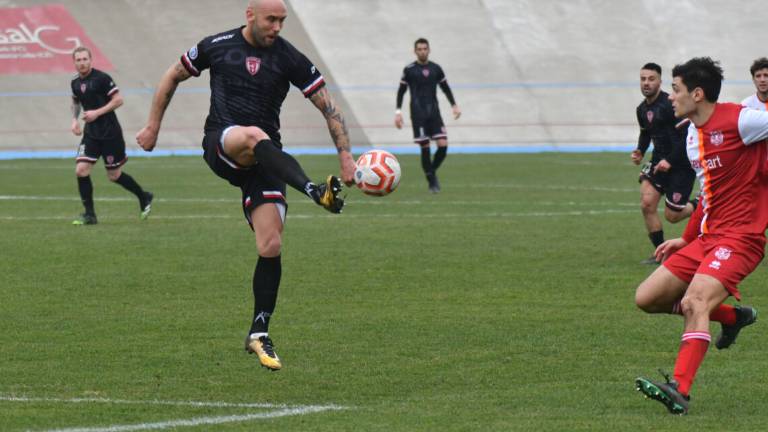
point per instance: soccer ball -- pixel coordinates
(377, 172)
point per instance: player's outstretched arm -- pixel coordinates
(147, 137)
(337, 126)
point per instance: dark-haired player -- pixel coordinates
(668, 173)
(423, 77)
(759, 72)
(94, 92)
(726, 147)
(251, 70)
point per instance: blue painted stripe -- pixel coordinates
(381, 87)
(410, 150)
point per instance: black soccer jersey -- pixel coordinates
(422, 80)
(249, 84)
(657, 123)
(93, 92)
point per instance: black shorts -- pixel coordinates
(431, 127)
(676, 184)
(111, 149)
(258, 186)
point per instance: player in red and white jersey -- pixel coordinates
(759, 71)
(726, 147)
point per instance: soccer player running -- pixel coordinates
(759, 71)
(726, 146)
(423, 77)
(668, 173)
(251, 69)
(95, 92)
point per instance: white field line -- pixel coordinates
(488, 215)
(363, 202)
(278, 411)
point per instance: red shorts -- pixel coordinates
(727, 258)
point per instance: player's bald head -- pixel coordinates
(267, 5)
(264, 20)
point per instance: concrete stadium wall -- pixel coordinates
(556, 74)
(142, 38)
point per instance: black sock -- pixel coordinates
(281, 164)
(439, 157)
(266, 281)
(657, 238)
(85, 187)
(426, 163)
(129, 183)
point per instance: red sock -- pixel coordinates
(724, 314)
(692, 350)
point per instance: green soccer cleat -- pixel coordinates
(146, 205)
(85, 219)
(666, 393)
(264, 349)
(745, 315)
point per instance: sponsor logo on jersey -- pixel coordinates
(716, 138)
(708, 163)
(715, 265)
(193, 53)
(83, 87)
(649, 116)
(252, 64)
(312, 70)
(425, 72)
(221, 38)
(722, 253)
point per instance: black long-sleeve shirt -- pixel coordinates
(423, 80)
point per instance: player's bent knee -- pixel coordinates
(253, 135)
(693, 305)
(113, 175)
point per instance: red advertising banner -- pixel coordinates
(40, 39)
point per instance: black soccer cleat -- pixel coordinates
(327, 194)
(745, 315)
(146, 205)
(434, 184)
(666, 393)
(85, 219)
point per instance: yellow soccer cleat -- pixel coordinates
(261, 345)
(329, 195)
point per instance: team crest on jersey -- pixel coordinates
(716, 138)
(252, 64)
(649, 116)
(83, 87)
(425, 72)
(722, 253)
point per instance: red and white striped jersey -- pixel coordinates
(728, 153)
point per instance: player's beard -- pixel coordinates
(261, 39)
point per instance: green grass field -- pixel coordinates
(504, 303)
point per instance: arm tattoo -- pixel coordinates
(337, 125)
(76, 107)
